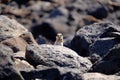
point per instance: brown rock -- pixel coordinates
(10, 27)
(16, 44)
(23, 65)
(28, 37)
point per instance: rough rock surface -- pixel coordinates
(49, 55)
(66, 17)
(7, 69)
(10, 27)
(102, 46)
(110, 63)
(87, 35)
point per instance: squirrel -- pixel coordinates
(59, 39)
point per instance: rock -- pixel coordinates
(19, 55)
(10, 27)
(115, 34)
(98, 12)
(47, 74)
(106, 67)
(19, 43)
(88, 34)
(54, 55)
(113, 54)
(23, 65)
(7, 68)
(110, 63)
(16, 44)
(99, 76)
(94, 58)
(68, 73)
(28, 37)
(52, 73)
(102, 46)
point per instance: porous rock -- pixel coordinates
(53, 55)
(102, 46)
(88, 34)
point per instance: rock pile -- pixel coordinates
(22, 58)
(91, 36)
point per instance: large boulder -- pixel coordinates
(89, 34)
(54, 55)
(62, 59)
(110, 63)
(7, 68)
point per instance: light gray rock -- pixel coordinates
(99, 76)
(58, 56)
(10, 27)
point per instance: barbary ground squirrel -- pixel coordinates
(59, 39)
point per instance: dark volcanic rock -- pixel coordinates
(7, 69)
(87, 35)
(113, 54)
(102, 46)
(52, 73)
(59, 56)
(110, 63)
(98, 12)
(48, 74)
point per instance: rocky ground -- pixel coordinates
(91, 31)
